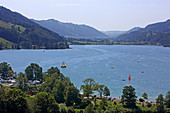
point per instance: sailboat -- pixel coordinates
(63, 65)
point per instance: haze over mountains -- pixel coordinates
(115, 34)
(71, 30)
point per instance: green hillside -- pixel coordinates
(71, 30)
(155, 34)
(26, 34)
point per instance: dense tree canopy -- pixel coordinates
(34, 72)
(16, 101)
(21, 81)
(72, 96)
(58, 91)
(4, 69)
(160, 104)
(45, 103)
(129, 96)
(167, 99)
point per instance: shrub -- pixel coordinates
(71, 110)
(84, 103)
(149, 105)
(141, 100)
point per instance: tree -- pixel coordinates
(2, 99)
(4, 69)
(34, 72)
(45, 103)
(160, 104)
(145, 96)
(21, 81)
(71, 109)
(103, 104)
(106, 92)
(88, 88)
(100, 89)
(89, 109)
(129, 96)
(167, 100)
(72, 96)
(0, 46)
(53, 70)
(58, 92)
(84, 103)
(16, 101)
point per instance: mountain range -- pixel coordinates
(155, 34)
(115, 34)
(20, 31)
(17, 31)
(71, 30)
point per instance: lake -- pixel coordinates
(150, 75)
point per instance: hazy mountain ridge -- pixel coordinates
(71, 30)
(115, 34)
(20, 30)
(158, 33)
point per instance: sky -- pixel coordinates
(104, 15)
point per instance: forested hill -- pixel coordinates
(24, 33)
(71, 30)
(158, 33)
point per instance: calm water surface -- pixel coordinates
(92, 60)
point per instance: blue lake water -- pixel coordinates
(90, 61)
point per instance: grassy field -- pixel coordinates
(7, 43)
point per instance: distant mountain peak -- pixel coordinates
(71, 30)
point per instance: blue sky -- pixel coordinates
(102, 14)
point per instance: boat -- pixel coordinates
(123, 80)
(139, 60)
(63, 65)
(112, 66)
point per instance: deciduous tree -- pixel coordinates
(45, 103)
(88, 87)
(4, 69)
(160, 104)
(129, 96)
(145, 96)
(34, 72)
(106, 91)
(167, 100)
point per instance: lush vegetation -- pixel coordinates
(57, 94)
(20, 32)
(154, 34)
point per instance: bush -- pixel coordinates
(89, 109)
(63, 110)
(149, 105)
(141, 100)
(71, 110)
(115, 103)
(84, 103)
